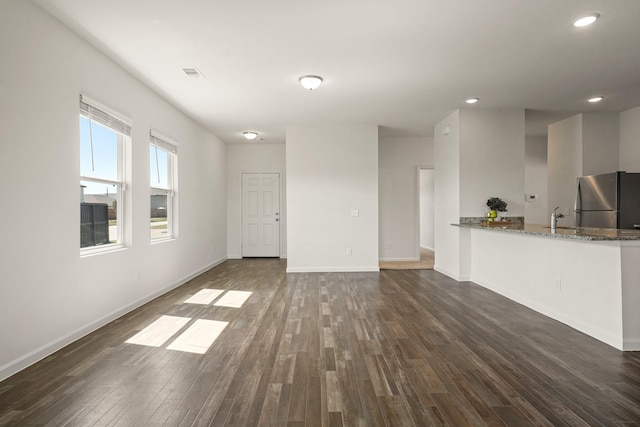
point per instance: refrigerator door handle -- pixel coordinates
(577, 208)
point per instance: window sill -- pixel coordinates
(99, 250)
(162, 240)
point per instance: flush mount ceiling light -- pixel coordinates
(250, 135)
(310, 82)
(595, 99)
(586, 20)
(472, 100)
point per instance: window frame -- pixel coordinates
(123, 140)
(159, 141)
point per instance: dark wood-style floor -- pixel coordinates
(398, 348)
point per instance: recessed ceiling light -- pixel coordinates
(250, 135)
(193, 72)
(595, 99)
(472, 100)
(586, 20)
(310, 82)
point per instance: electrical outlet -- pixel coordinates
(558, 284)
(566, 210)
(349, 251)
(355, 212)
(388, 245)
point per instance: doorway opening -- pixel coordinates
(424, 240)
(426, 213)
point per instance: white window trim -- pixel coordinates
(171, 147)
(120, 184)
(100, 106)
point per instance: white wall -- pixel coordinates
(585, 144)
(242, 158)
(491, 159)
(447, 196)
(600, 143)
(479, 153)
(49, 295)
(399, 159)
(564, 165)
(332, 170)
(535, 179)
(427, 208)
(630, 140)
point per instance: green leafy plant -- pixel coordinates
(496, 204)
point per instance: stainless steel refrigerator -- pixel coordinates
(610, 200)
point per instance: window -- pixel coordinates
(163, 159)
(103, 138)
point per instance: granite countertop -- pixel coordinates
(579, 233)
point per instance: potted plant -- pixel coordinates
(495, 205)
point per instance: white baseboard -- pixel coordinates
(333, 269)
(457, 277)
(40, 353)
(429, 249)
(631, 344)
(400, 259)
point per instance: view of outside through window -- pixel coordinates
(161, 203)
(99, 186)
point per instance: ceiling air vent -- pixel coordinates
(192, 72)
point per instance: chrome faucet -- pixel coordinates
(554, 219)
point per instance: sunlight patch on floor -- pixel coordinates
(233, 299)
(204, 296)
(199, 336)
(158, 332)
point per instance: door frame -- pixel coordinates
(282, 213)
(418, 169)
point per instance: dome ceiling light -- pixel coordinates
(250, 135)
(472, 100)
(310, 82)
(586, 20)
(595, 99)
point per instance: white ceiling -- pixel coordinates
(401, 64)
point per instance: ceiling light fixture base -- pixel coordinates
(310, 82)
(250, 135)
(586, 20)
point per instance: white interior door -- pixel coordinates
(260, 214)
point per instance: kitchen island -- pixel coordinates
(586, 278)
